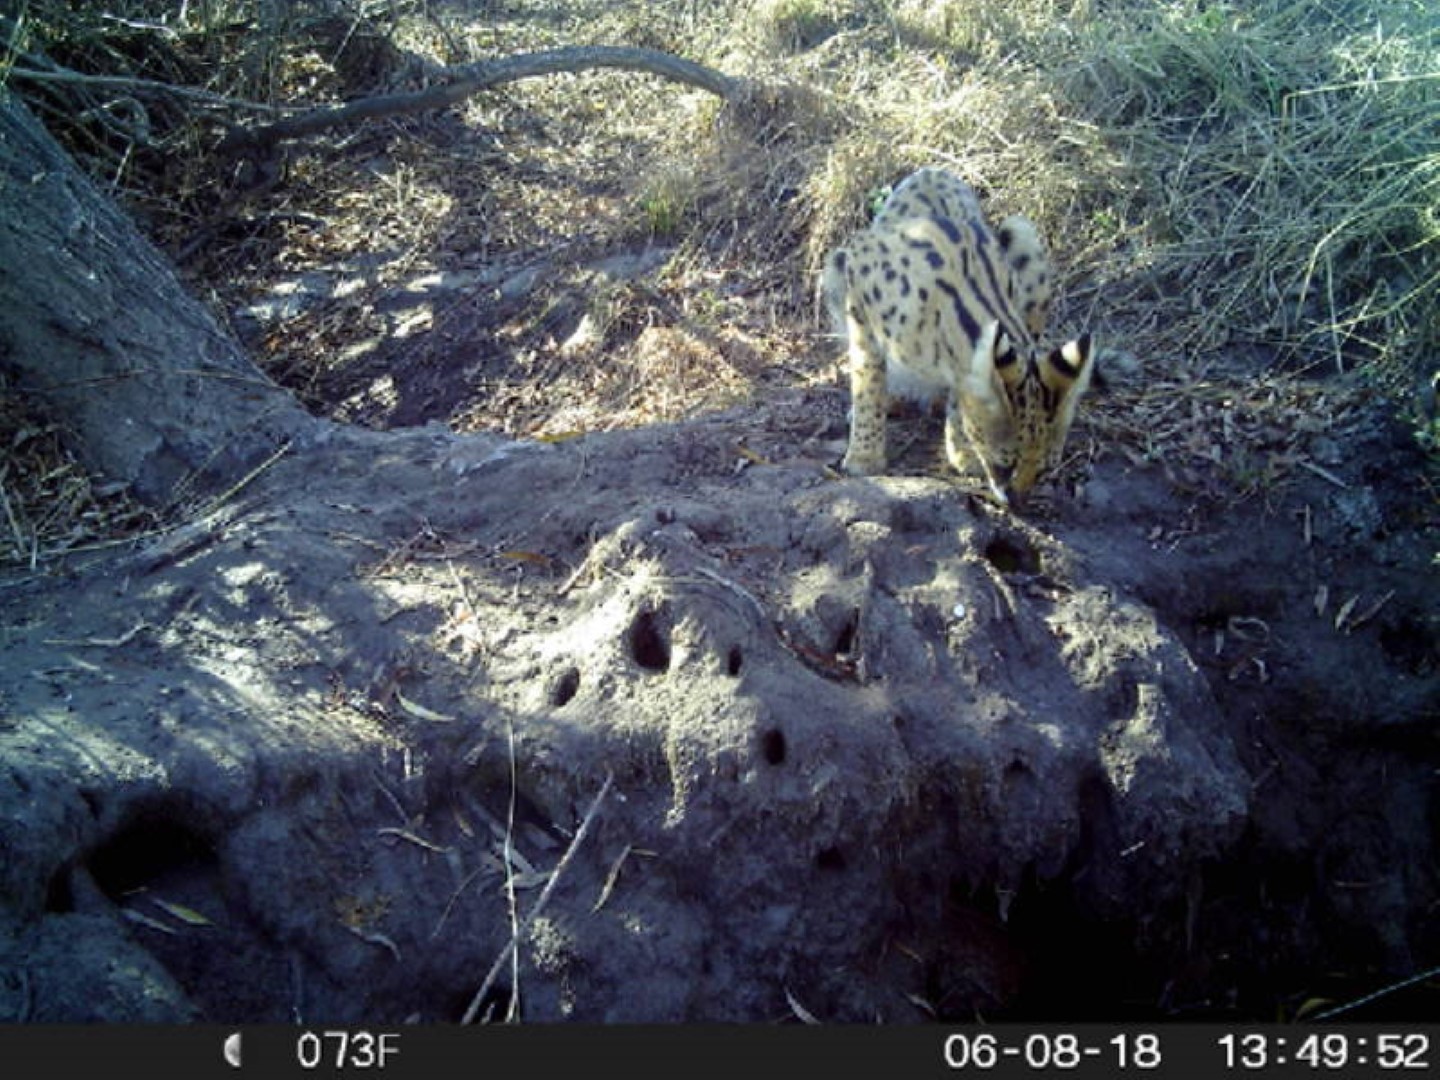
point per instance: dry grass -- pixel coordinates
(1292, 175)
(49, 505)
(1242, 192)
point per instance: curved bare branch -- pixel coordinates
(469, 79)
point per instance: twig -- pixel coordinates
(611, 878)
(509, 854)
(235, 488)
(418, 841)
(545, 893)
(297, 985)
(1382, 992)
(738, 590)
(1324, 474)
(125, 82)
(10, 515)
(390, 795)
(103, 643)
(454, 897)
(27, 1000)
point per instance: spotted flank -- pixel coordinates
(931, 300)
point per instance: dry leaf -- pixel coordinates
(805, 1015)
(1311, 1005)
(181, 912)
(921, 1004)
(610, 879)
(463, 823)
(418, 841)
(419, 712)
(1373, 610)
(145, 920)
(1344, 613)
(526, 881)
(527, 556)
(104, 643)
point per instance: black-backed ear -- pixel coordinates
(1069, 366)
(1007, 359)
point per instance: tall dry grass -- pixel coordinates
(1213, 177)
(1289, 161)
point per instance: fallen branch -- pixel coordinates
(469, 79)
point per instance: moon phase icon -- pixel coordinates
(232, 1049)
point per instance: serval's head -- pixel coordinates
(1018, 404)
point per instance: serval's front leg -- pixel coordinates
(868, 401)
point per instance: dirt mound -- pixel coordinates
(852, 726)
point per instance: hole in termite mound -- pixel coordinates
(649, 643)
(1012, 555)
(565, 687)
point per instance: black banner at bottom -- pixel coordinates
(1001, 1051)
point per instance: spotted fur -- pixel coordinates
(930, 299)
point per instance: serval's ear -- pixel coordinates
(1067, 369)
(1006, 360)
(991, 370)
